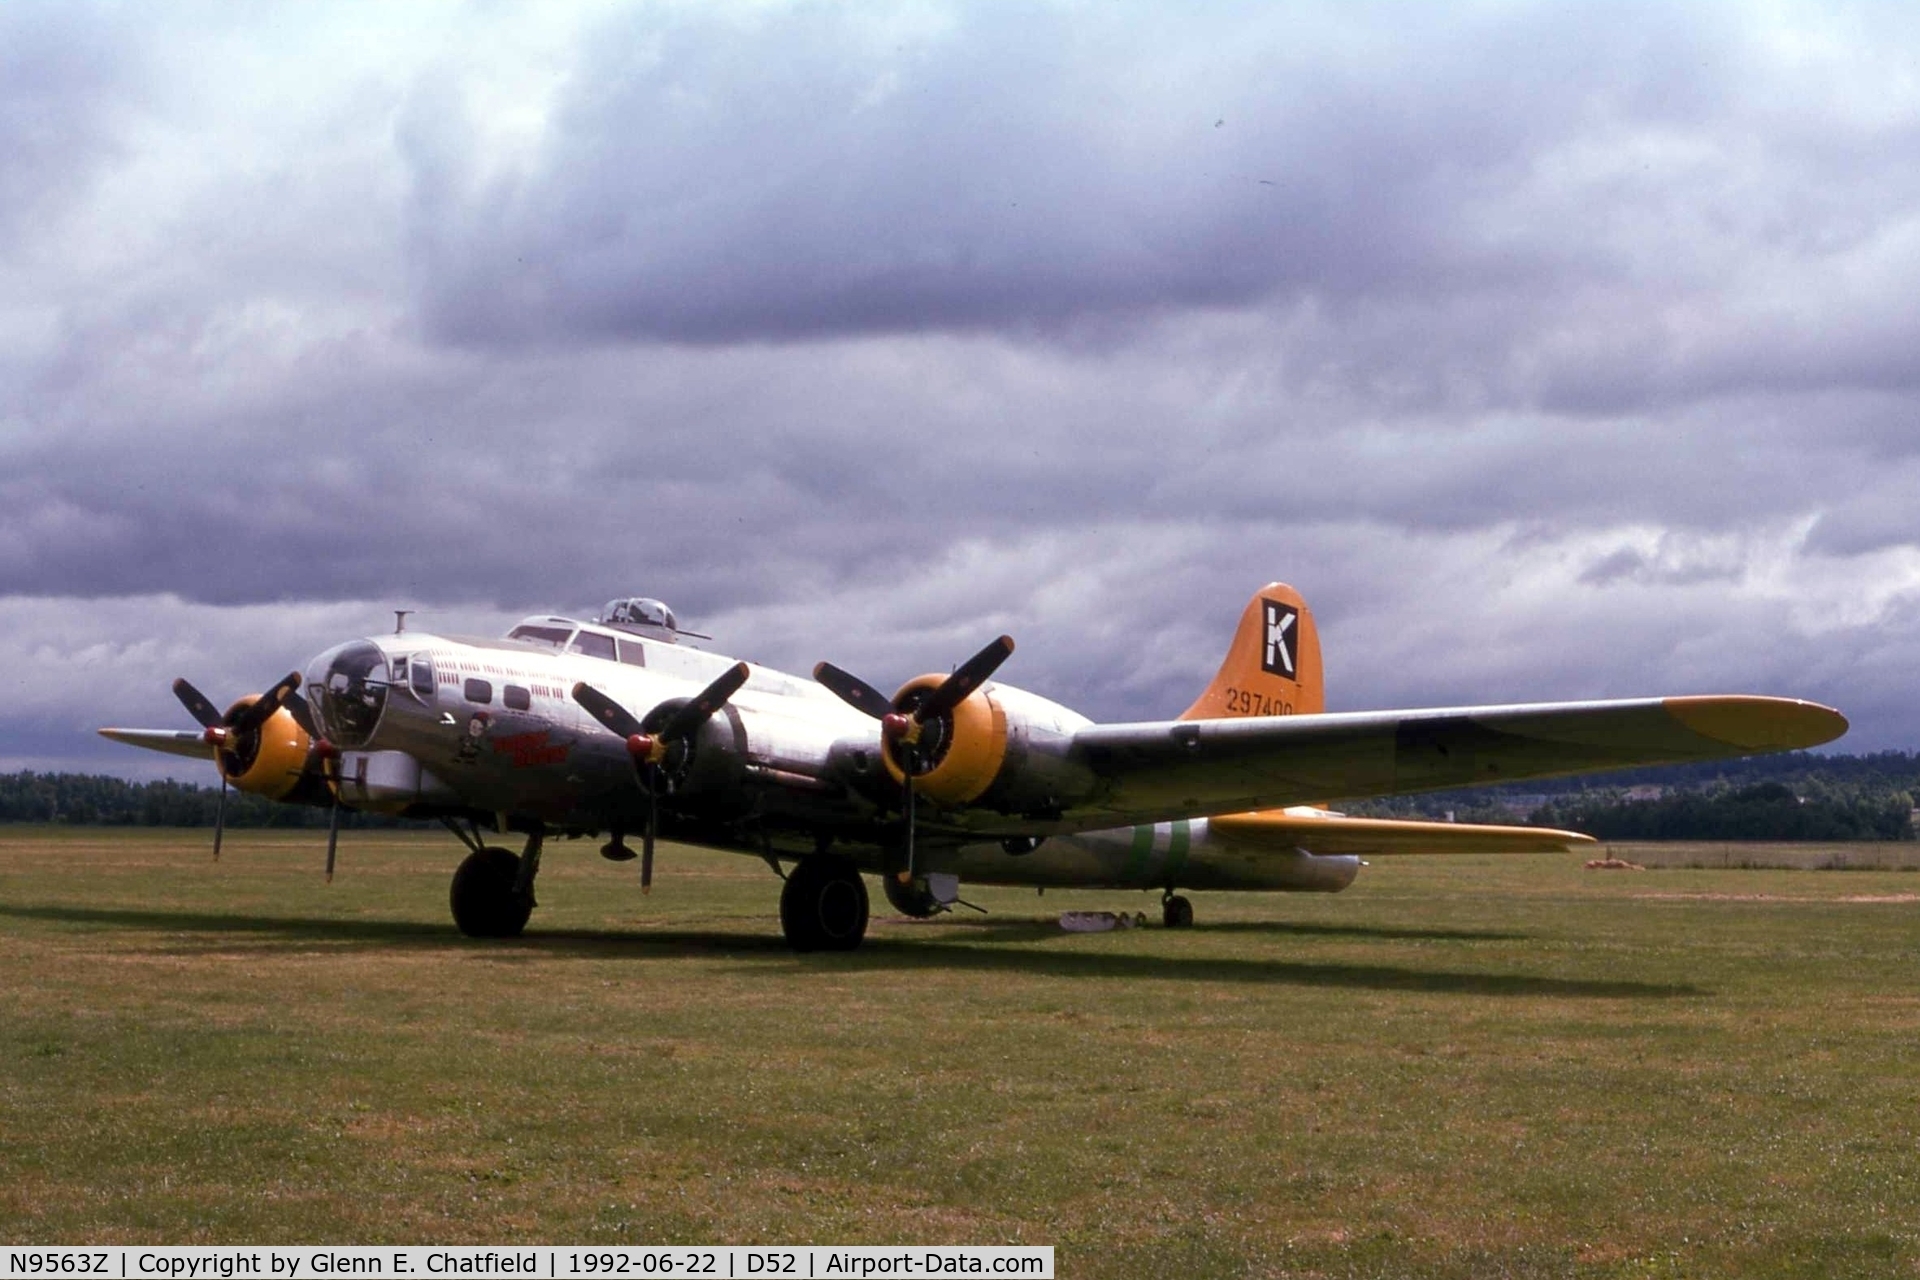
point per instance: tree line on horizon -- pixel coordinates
(1798, 795)
(101, 800)
(1761, 811)
(1795, 796)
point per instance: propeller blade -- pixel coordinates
(302, 715)
(852, 690)
(688, 719)
(906, 876)
(333, 837)
(653, 827)
(252, 717)
(196, 704)
(967, 677)
(220, 817)
(606, 710)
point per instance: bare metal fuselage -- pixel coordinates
(439, 726)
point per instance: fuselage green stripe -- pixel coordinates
(1142, 849)
(1177, 846)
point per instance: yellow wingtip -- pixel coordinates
(1759, 724)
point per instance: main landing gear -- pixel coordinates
(1175, 911)
(824, 905)
(492, 893)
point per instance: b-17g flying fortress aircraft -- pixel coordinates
(616, 728)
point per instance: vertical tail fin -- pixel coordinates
(1272, 667)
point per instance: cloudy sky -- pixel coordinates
(1554, 351)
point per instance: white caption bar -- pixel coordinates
(544, 1262)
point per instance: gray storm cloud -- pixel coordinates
(1554, 350)
(714, 179)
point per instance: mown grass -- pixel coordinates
(1460, 1067)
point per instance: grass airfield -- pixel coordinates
(1459, 1067)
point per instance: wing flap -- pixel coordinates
(1169, 769)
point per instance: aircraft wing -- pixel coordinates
(1187, 768)
(175, 742)
(1336, 833)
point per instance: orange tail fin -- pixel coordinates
(1273, 665)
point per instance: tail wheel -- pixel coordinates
(824, 905)
(1176, 912)
(485, 897)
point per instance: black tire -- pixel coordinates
(824, 905)
(1177, 913)
(484, 901)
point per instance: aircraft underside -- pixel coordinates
(826, 904)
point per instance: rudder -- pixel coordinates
(1272, 668)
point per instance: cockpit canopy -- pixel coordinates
(640, 617)
(549, 631)
(635, 615)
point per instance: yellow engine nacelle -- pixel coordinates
(965, 748)
(270, 761)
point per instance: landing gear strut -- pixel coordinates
(1176, 912)
(492, 893)
(824, 905)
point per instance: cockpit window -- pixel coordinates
(352, 693)
(594, 646)
(555, 636)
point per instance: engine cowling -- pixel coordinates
(999, 748)
(704, 766)
(960, 753)
(269, 761)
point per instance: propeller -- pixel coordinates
(218, 730)
(651, 751)
(329, 756)
(333, 834)
(220, 817)
(904, 721)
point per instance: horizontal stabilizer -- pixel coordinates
(175, 742)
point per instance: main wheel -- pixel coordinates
(485, 902)
(824, 905)
(1177, 913)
